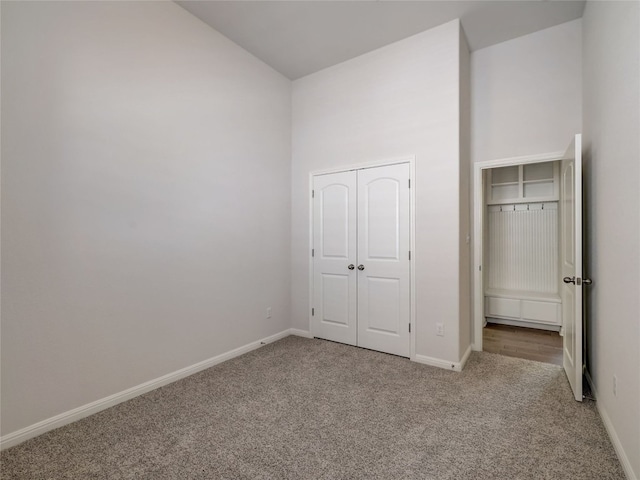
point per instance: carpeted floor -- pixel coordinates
(310, 409)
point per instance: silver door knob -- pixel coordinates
(587, 281)
(360, 267)
(351, 267)
(569, 280)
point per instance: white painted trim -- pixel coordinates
(311, 326)
(359, 166)
(523, 160)
(478, 204)
(465, 357)
(70, 416)
(613, 436)
(437, 362)
(411, 160)
(412, 249)
(300, 333)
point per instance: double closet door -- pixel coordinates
(361, 262)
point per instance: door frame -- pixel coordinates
(478, 233)
(411, 160)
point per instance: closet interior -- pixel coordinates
(521, 246)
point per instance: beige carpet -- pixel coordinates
(307, 409)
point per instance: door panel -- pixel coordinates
(335, 221)
(383, 253)
(334, 240)
(335, 299)
(571, 264)
(384, 299)
(382, 211)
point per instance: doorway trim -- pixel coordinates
(411, 160)
(478, 234)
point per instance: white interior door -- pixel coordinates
(334, 257)
(383, 259)
(571, 263)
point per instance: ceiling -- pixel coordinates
(297, 38)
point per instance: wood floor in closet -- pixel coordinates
(532, 344)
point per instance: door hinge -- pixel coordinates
(479, 268)
(313, 252)
(313, 193)
(313, 312)
(409, 254)
(409, 328)
(409, 183)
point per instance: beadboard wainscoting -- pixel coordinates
(523, 247)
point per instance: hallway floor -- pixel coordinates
(529, 343)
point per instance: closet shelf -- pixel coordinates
(542, 180)
(523, 295)
(518, 183)
(502, 184)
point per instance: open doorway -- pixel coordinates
(528, 250)
(516, 228)
(520, 237)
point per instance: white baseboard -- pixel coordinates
(300, 333)
(70, 416)
(615, 441)
(437, 362)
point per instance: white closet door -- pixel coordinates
(383, 259)
(334, 241)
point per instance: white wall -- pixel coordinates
(612, 176)
(465, 267)
(527, 94)
(400, 100)
(145, 200)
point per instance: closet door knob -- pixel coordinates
(569, 280)
(587, 281)
(351, 267)
(360, 267)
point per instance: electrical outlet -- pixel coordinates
(440, 329)
(268, 312)
(615, 386)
